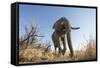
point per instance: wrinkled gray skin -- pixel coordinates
(61, 28)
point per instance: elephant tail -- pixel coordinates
(75, 28)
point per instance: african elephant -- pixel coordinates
(62, 30)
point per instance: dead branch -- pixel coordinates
(30, 36)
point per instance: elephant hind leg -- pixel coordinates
(70, 44)
(55, 49)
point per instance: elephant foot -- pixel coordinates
(63, 52)
(71, 55)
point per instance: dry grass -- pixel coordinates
(35, 55)
(88, 52)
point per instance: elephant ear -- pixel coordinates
(57, 24)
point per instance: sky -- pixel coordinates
(45, 16)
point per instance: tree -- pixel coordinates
(30, 36)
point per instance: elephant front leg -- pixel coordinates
(64, 45)
(59, 46)
(70, 43)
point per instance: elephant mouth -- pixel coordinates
(63, 35)
(64, 30)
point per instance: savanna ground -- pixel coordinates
(37, 54)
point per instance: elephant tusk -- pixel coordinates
(75, 28)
